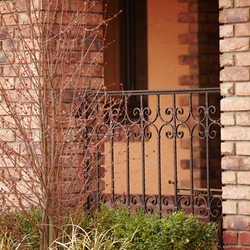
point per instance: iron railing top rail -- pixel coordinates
(155, 92)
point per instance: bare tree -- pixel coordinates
(51, 56)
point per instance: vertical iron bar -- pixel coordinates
(175, 153)
(127, 170)
(207, 156)
(85, 153)
(142, 155)
(97, 176)
(191, 161)
(96, 163)
(127, 157)
(112, 167)
(159, 155)
(112, 155)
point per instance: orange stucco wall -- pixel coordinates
(163, 47)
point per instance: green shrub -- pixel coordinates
(175, 231)
(113, 229)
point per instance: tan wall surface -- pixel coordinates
(163, 46)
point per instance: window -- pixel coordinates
(126, 57)
(133, 44)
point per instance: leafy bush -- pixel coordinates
(113, 229)
(175, 231)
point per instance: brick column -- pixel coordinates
(203, 61)
(235, 117)
(50, 53)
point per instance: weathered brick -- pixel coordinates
(225, 4)
(233, 15)
(96, 7)
(230, 238)
(226, 59)
(22, 6)
(242, 59)
(193, 27)
(243, 207)
(229, 177)
(227, 89)
(96, 82)
(243, 148)
(89, 19)
(228, 148)
(188, 38)
(241, 3)
(229, 207)
(236, 248)
(58, 5)
(233, 192)
(235, 163)
(235, 104)
(10, 70)
(188, 80)
(8, 83)
(10, 45)
(193, 7)
(96, 57)
(64, 17)
(193, 48)
(195, 69)
(228, 119)
(6, 32)
(226, 30)
(243, 118)
(188, 59)
(234, 44)
(242, 29)
(6, 58)
(187, 17)
(243, 178)
(27, 19)
(9, 20)
(245, 238)
(7, 135)
(6, 7)
(236, 222)
(235, 133)
(80, 6)
(242, 88)
(23, 31)
(235, 74)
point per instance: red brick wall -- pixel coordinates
(203, 44)
(75, 28)
(235, 106)
(203, 61)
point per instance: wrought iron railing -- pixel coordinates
(160, 150)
